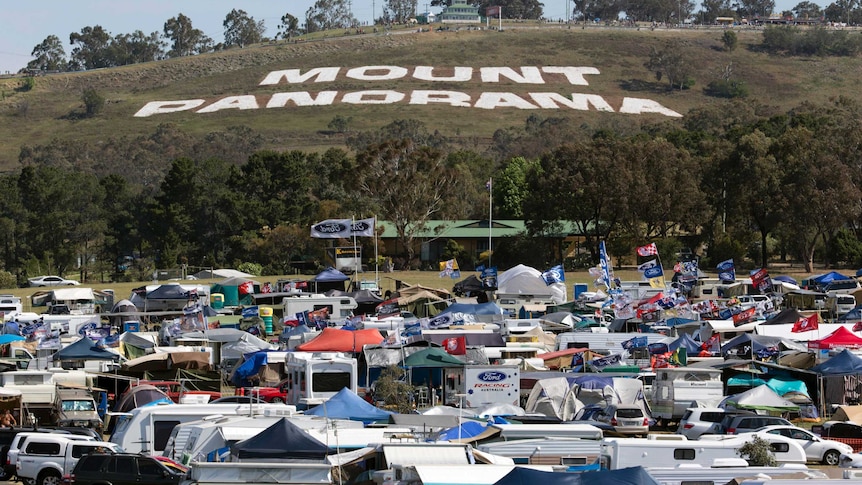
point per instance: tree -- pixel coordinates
(135, 48)
(288, 27)
(241, 30)
(710, 9)
(328, 15)
(757, 453)
(671, 63)
(807, 10)
(410, 184)
(399, 11)
(755, 8)
(93, 102)
(729, 39)
(49, 55)
(92, 48)
(185, 39)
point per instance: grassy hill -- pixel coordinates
(51, 109)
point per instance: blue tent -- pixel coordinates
(825, 279)
(85, 349)
(626, 476)
(844, 364)
(347, 405)
(248, 368)
(281, 441)
(9, 338)
(467, 431)
(474, 309)
(329, 275)
(685, 341)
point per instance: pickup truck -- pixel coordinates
(44, 460)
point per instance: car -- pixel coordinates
(275, 395)
(627, 419)
(842, 287)
(176, 391)
(122, 469)
(41, 281)
(747, 423)
(238, 400)
(696, 422)
(825, 451)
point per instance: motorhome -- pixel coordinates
(524, 306)
(147, 429)
(673, 450)
(674, 389)
(315, 377)
(339, 307)
(10, 305)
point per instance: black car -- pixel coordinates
(122, 469)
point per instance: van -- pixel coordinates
(840, 303)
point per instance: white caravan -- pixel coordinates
(147, 429)
(674, 389)
(314, 377)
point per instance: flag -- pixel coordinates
(635, 342)
(726, 270)
(456, 345)
(680, 356)
(578, 362)
(605, 265)
(388, 308)
(712, 344)
(657, 348)
(343, 228)
(246, 288)
(651, 269)
(488, 185)
(489, 277)
(857, 326)
(806, 324)
(648, 250)
(760, 280)
(603, 362)
(554, 275)
(480, 268)
(743, 316)
(449, 268)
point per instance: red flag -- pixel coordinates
(857, 326)
(743, 316)
(806, 324)
(456, 345)
(648, 250)
(246, 288)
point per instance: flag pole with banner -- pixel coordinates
(490, 215)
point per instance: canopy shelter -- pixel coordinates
(346, 404)
(329, 279)
(844, 364)
(760, 398)
(826, 278)
(752, 347)
(338, 340)
(84, 349)
(840, 338)
(283, 441)
(431, 357)
(839, 378)
(141, 395)
(237, 290)
(784, 317)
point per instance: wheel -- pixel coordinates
(831, 457)
(50, 477)
(277, 400)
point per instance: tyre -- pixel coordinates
(831, 457)
(277, 400)
(49, 477)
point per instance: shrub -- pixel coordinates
(757, 453)
(93, 102)
(7, 280)
(726, 88)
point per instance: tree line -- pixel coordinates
(738, 179)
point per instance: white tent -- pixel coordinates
(760, 397)
(524, 280)
(552, 397)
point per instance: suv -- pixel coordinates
(700, 421)
(627, 419)
(736, 424)
(842, 286)
(122, 469)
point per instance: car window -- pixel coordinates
(629, 413)
(712, 416)
(798, 434)
(687, 415)
(122, 465)
(91, 463)
(149, 468)
(40, 448)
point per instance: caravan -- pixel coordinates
(674, 389)
(315, 377)
(338, 307)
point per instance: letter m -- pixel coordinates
(294, 76)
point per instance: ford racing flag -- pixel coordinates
(554, 275)
(343, 228)
(726, 270)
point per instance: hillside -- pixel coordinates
(50, 109)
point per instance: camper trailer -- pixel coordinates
(481, 385)
(147, 429)
(315, 377)
(9, 305)
(675, 450)
(674, 389)
(339, 307)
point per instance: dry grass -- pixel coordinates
(36, 117)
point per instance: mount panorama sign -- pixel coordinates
(489, 100)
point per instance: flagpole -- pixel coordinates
(358, 260)
(376, 260)
(490, 215)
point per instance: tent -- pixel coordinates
(762, 346)
(524, 280)
(761, 398)
(338, 340)
(430, 358)
(469, 287)
(691, 346)
(552, 398)
(825, 279)
(626, 476)
(283, 441)
(840, 338)
(141, 395)
(347, 405)
(329, 279)
(848, 413)
(237, 290)
(84, 349)
(468, 432)
(844, 364)
(784, 317)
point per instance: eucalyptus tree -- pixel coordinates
(185, 39)
(49, 55)
(242, 30)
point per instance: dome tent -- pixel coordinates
(347, 405)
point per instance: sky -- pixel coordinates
(25, 24)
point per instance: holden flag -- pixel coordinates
(648, 250)
(806, 324)
(456, 345)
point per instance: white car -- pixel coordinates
(51, 281)
(827, 452)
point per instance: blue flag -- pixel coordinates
(726, 270)
(480, 268)
(635, 342)
(554, 275)
(605, 264)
